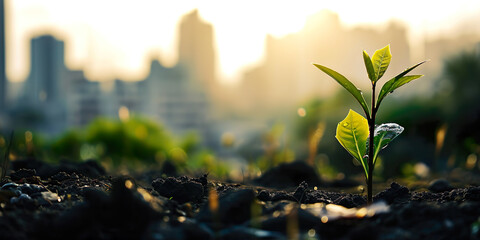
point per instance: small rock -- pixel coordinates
(181, 189)
(289, 175)
(23, 197)
(306, 221)
(31, 188)
(244, 233)
(9, 186)
(472, 194)
(301, 192)
(264, 195)
(439, 185)
(24, 201)
(233, 208)
(350, 201)
(395, 194)
(50, 196)
(61, 176)
(22, 173)
(202, 180)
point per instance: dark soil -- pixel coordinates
(79, 201)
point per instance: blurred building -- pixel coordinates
(3, 79)
(196, 50)
(41, 103)
(83, 99)
(287, 76)
(47, 70)
(54, 98)
(440, 49)
(175, 99)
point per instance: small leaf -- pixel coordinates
(391, 84)
(369, 66)
(380, 60)
(352, 133)
(383, 135)
(404, 80)
(347, 85)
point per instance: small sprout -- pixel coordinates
(355, 131)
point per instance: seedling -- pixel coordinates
(355, 131)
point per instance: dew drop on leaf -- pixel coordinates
(345, 124)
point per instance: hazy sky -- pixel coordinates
(116, 39)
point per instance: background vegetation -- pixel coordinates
(441, 133)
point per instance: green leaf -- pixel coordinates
(383, 135)
(397, 82)
(380, 60)
(347, 85)
(369, 66)
(352, 133)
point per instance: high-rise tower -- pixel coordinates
(3, 78)
(46, 69)
(196, 50)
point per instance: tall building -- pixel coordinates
(83, 99)
(196, 49)
(3, 78)
(42, 105)
(175, 100)
(56, 98)
(287, 76)
(47, 68)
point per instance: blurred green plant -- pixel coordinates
(136, 143)
(275, 148)
(135, 140)
(461, 80)
(6, 157)
(205, 161)
(359, 135)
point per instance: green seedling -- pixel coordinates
(355, 131)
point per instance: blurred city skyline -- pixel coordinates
(79, 69)
(120, 44)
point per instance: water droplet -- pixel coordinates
(345, 124)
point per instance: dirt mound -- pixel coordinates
(288, 175)
(71, 205)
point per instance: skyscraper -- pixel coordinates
(43, 93)
(3, 78)
(47, 66)
(196, 50)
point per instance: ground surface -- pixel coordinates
(40, 201)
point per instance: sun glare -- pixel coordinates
(107, 44)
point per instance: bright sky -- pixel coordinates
(116, 39)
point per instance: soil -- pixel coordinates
(81, 201)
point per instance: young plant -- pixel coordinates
(355, 131)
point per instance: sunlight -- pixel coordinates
(123, 113)
(108, 44)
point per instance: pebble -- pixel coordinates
(439, 185)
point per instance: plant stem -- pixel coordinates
(371, 125)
